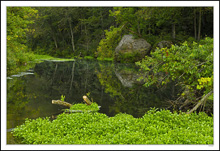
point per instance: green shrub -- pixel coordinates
(155, 127)
(107, 46)
(188, 65)
(84, 107)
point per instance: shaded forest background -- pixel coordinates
(67, 31)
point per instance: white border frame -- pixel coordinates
(4, 4)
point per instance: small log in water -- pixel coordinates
(86, 99)
(61, 103)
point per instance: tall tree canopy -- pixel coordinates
(18, 21)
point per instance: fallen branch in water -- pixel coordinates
(200, 102)
(61, 103)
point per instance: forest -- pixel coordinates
(180, 53)
(96, 31)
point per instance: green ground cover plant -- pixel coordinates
(155, 127)
(84, 107)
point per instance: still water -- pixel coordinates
(113, 86)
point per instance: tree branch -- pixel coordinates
(193, 67)
(200, 102)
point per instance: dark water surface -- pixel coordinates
(112, 86)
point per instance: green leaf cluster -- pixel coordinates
(84, 107)
(18, 21)
(62, 97)
(155, 127)
(189, 65)
(107, 45)
(205, 82)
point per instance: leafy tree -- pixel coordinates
(191, 67)
(67, 31)
(18, 21)
(131, 18)
(92, 28)
(107, 46)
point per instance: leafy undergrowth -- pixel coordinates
(84, 107)
(155, 127)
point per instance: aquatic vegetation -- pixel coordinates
(62, 97)
(84, 107)
(155, 127)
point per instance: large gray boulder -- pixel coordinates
(131, 50)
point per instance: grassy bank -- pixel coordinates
(155, 127)
(99, 58)
(29, 62)
(31, 59)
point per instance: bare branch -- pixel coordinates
(200, 102)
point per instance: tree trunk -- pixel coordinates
(139, 30)
(86, 78)
(72, 38)
(195, 30)
(72, 75)
(87, 39)
(200, 21)
(173, 31)
(102, 22)
(55, 41)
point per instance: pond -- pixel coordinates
(113, 86)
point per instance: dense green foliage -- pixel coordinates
(85, 31)
(107, 46)
(155, 127)
(189, 65)
(155, 24)
(84, 107)
(69, 31)
(94, 32)
(18, 19)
